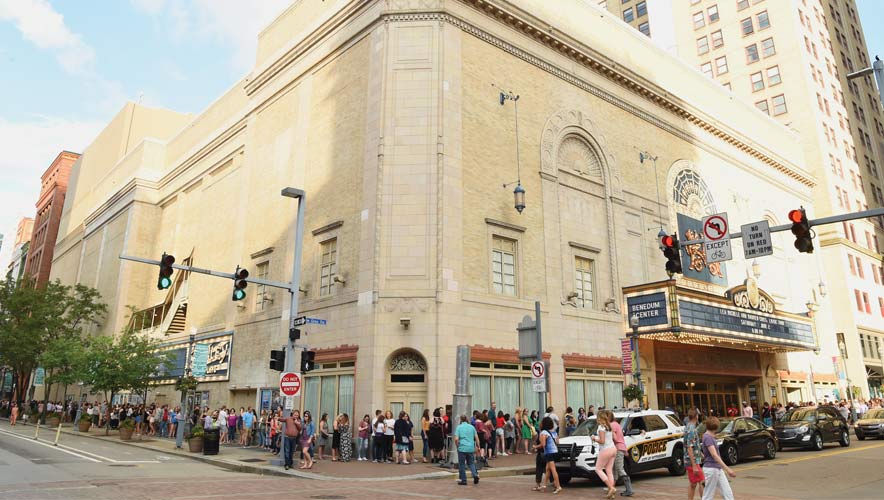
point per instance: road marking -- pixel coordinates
(811, 457)
(41, 443)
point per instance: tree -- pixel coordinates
(127, 362)
(64, 360)
(33, 318)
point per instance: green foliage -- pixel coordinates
(127, 424)
(187, 383)
(85, 417)
(632, 392)
(196, 432)
(35, 321)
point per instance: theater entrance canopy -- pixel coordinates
(745, 317)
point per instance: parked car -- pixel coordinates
(812, 428)
(653, 440)
(744, 437)
(871, 425)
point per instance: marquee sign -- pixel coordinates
(209, 359)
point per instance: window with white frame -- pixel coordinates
(762, 105)
(262, 270)
(752, 53)
(328, 266)
(779, 104)
(503, 266)
(585, 387)
(757, 81)
(583, 285)
(699, 20)
(702, 45)
(717, 39)
(706, 68)
(773, 75)
(768, 48)
(721, 65)
(713, 13)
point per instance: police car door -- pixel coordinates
(652, 446)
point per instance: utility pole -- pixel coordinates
(539, 337)
(296, 280)
(182, 422)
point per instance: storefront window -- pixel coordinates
(500, 382)
(329, 389)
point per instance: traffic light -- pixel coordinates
(801, 230)
(165, 279)
(672, 252)
(277, 360)
(307, 363)
(240, 283)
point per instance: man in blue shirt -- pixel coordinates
(247, 419)
(466, 439)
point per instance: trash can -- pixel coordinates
(211, 441)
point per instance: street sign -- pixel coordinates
(626, 353)
(39, 376)
(289, 402)
(718, 238)
(756, 239)
(538, 370)
(200, 360)
(304, 320)
(290, 384)
(538, 384)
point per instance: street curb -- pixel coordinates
(269, 470)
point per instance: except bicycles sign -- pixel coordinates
(718, 238)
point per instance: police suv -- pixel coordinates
(653, 441)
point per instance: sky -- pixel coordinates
(67, 66)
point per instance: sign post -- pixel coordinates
(717, 242)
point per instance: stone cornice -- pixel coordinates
(574, 360)
(591, 59)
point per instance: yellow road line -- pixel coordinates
(811, 457)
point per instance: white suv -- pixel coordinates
(653, 441)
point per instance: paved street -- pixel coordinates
(97, 469)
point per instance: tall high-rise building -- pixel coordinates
(53, 188)
(15, 269)
(791, 61)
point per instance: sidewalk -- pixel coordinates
(257, 461)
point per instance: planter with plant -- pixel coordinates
(633, 392)
(85, 422)
(127, 427)
(195, 439)
(53, 420)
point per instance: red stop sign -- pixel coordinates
(290, 384)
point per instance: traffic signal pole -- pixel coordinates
(294, 288)
(865, 214)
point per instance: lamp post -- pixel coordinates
(294, 289)
(519, 191)
(842, 348)
(637, 369)
(878, 69)
(182, 422)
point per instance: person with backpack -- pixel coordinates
(436, 435)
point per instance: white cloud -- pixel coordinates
(41, 25)
(232, 23)
(28, 149)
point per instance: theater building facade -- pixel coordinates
(388, 114)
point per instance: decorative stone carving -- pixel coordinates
(408, 361)
(575, 154)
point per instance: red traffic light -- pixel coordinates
(797, 216)
(667, 241)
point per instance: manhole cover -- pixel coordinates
(253, 460)
(328, 497)
(123, 465)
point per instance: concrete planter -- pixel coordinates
(195, 444)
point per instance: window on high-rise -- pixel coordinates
(645, 28)
(706, 68)
(767, 47)
(702, 45)
(699, 20)
(762, 105)
(717, 39)
(746, 26)
(713, 14)
(628, 15)
(721, 65)
(779, 104)
(859, 300)
(742, 4)
(866, 303)
(641, 9)
(752, 54)
(773, 77)
(503, 266)
(757, 81)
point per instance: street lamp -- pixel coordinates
(636, 370)
(878, 69)
(519, 191)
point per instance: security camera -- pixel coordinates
(405, 322)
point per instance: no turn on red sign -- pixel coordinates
(290, 384)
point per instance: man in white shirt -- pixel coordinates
(747, 410)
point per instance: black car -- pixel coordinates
(812, 428)
(744, 437)
(871, 425)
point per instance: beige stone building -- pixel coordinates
(387, 114)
